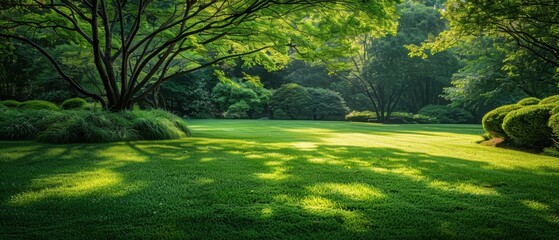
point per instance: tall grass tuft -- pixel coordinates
(81, 126)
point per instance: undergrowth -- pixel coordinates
(79, 126)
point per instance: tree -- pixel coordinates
(326, 104)
(384, 72)
(190, 94)
(290, 101)
(241, 98)
(134, 46)
(496, 73)
(530, 24)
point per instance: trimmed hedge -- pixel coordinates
(10, 103)
(38, 105)
(550, 100)
(493, 120)
(553, 123)
(74, 103)
(528, 101)
(398, 117)
(528, 126)
(446, 114)
(356, 116)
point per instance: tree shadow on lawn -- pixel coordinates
(208, 188)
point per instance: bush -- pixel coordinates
(78, 126)
(528, 126)
(26, 125)
(553, 123)
(446, 114)
(326, 104)
(493, 120)
(10, 103)
(528, 101)
(38, 105)
(550, 100)
(74, 103)
(365, 116)
(402, 117)
(293, 100)
(88, 127)
(157, 124)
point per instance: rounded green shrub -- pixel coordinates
(356, 116)
(493, 120)
(38, 105)
(74, 103)
(528, 126)
(10, 103)
(528, 101)
(553, 123)
(555, 110)
(550, 100)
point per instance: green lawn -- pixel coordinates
(281, 179)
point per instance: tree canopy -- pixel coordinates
(133, 46)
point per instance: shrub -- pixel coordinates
(279, 114)
(3, 108)
(493, 120)
(293, 100)
(550, 100)
(157, 124)
(528, 126)
(446, 114)
(74, 103)
(528, 101)
(326, 104)
(411, 118)
(10, 103)
(88, 127)
(38, 105)
(79, 126)
(553, 123)
(26, 125)
(365, 116)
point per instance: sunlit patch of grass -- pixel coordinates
(68, 185)
(355, 191)
(281, 179)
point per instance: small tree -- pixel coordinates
(326, 103)
(292, 100)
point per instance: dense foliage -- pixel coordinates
(81, 126)
(446, 114)
(526, 123)
(528, 126)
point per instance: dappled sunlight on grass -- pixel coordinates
(355, 191)
(69, 185)
(276, 179)
(464, 188)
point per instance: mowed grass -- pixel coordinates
(248, 179)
